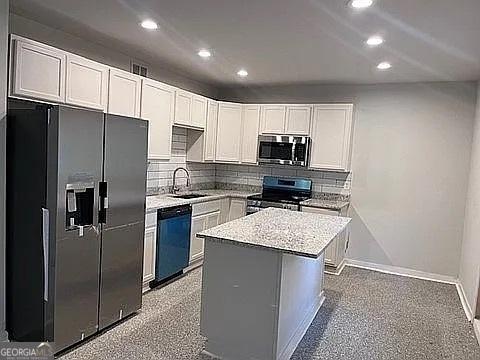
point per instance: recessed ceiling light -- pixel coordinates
(204, 53)
(385, 65)
(374, 41)
(149, 24)
(361, 4)
(242, 73)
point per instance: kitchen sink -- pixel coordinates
(188, 196)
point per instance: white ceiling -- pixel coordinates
(282, 41)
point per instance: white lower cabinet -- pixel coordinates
(149, 249)
(204, 216)
(237, 209)
(335, 252)
(196, 244)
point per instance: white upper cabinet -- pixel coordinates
(38, 71)
(273, 119)
(199, 111)
(183, 107)
(229, 131)
(86, 83)
(124, 93)
(190, 109)
(201, 145)
(331, 133)
(250, 126)
(211, 131)
(157, 106)
(298, 120)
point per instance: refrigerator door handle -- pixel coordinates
(103, 193)
(45, 241)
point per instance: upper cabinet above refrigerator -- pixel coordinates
(124, 93)
(38, 70)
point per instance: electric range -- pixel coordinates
(285, 193)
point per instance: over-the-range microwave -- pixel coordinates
(283, 149)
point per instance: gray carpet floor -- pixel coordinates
(366, 315)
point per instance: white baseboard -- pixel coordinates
(476, 328)
(463, 300)
(396, 270)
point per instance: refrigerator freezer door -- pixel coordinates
(77, 260)
(125, 169)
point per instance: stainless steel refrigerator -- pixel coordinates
(76, 182)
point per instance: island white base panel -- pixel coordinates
(257, 303)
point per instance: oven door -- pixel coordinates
(284, 150)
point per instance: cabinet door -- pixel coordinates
(183, 108)
(237, 209)
(229, 131)
(298, 120)
(149, 254)
(199, 111)
(212, 220)
(251, 123)
(38, 72)
(124, 93)
(196, 244)
(331, 137)
(157, 106)
(86, 83)
(211, 131)
(273, 119)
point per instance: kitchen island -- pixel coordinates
(263, 282)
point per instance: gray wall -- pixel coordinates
(411, 159)
(3, 107)
(113, 57)
(470, 263)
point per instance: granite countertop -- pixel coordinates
(325, 204)
(155, 202)
(297, 233)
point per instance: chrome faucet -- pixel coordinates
(175, 187)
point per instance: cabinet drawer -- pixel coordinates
(151, 219)
(206, 207)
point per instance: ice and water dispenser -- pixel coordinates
(80, 198)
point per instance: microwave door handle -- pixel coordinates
(293, 151)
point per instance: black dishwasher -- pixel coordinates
(173, 241)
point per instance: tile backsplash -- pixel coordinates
(325, 183)
(160, 172)
(225, 176)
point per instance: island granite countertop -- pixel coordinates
(155, 202)
(293, 232)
